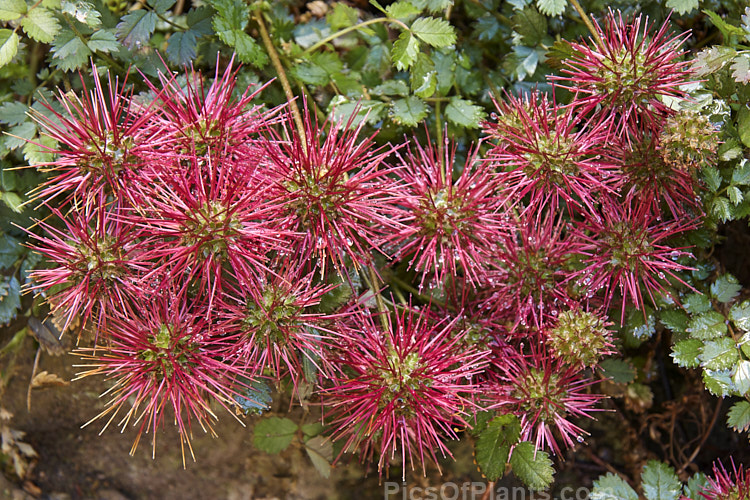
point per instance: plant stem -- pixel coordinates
(375, 287)
(282, 76)
(356, 27)
(587, 22)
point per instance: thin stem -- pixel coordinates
(282, 77)
(356, 27)
(375, 287)
(587, 21)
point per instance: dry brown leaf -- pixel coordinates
(44, 333)
(46, 379)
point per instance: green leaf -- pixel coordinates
(432, 5)
(494, 443)
(725, 288)
(405, 51)
(10, 250)
(273, 435)
(341, 112)
(712, 177)
(12, 200)
(685, 353)
(695, 485)
(532, 466)
(342, 16)
(464, 113)
(738, 417)
(618, 371)
(707, 326)
(660, 481)
(743, 127)
(741, 68)
(740, 315)
(674, 319)
(83, 11)
(12, 9)
(434, 32)
(531, 25)
(40, 25)
(735, 195)
(199, 21)
(318, 68)
(253, 397)
(135, 28)
(8, 46)
(726, 29)
(445, 70)
(13, 113)
(718, 382)
(552, 7)
(161, 6)
(69, 52)
(387, 88)
(105, 41)
(423, 77)
(719, 354)
(19, 135)
(409, 111)
(741, 173)
(320, 451)
(682, 6)
(697, 303)
(248, 50)
(612, 487)
(10, 298)
(741, 377)
(403, 11)
(313, 429)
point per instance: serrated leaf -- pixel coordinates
(402, 10)
(707, 326)
(725, 288)
(10, 298)
(735, 194)
(12, 9)
(660, 481)
(740, 315)
(409, 111)
(743, 127)
(405, 50)
(273, 435)
(19, 135)
(13, 113)
(494, 443)
(340, 113)
(712, 177)
(464, 113)
(741, 173)
(248, 50)
(105, 41)
(718, 382)
(721, 208)
(423, 77)
(434, 32)
(719, 354)
(697, 483)
(741, 377)
(432, 5)
(12, 200)
(612, 487)
(738, 417)
(551, 7)
(342, 16)
(40, 25)
(532, 466)
(83, 12)
(320, 451)
(134, 29)
(530, 25)
(10, 250)
(618, 371)
(318, 68)
(697, 303)
(674, 319)
(685, 353)
(161, 6)
(486, 28)
(253, 396)
(741, 68)
(8, 46)
(388, 88)
(69, 52)
(682, 6)
(199, 21)
(726, 29)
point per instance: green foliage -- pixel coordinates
(494, 444)
(660, 482)
(618, 371)
(612, 487)
(738, 417)
(274, 434)
(532, 466)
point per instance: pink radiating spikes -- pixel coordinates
(547, 153)
(449, 226)
(544, 393)
(333, 191)
(626, 77)
(402, 389)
